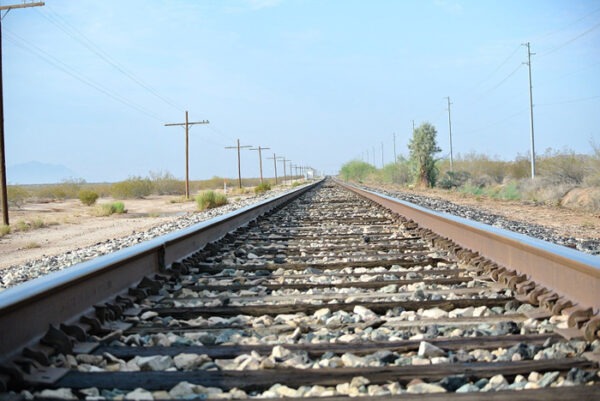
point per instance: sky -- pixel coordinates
(90, 84)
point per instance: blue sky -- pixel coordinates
(319, 82)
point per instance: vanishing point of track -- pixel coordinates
(326, 295)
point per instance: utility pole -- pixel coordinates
(374, 158)
(187, 124)
(291, 171)
(274, 165)
(282, 159)
(238, 147)
(450, 130)
(395, 157)
(529, 54)
(3, 184)
(260, 159)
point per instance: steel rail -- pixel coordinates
(27, 310)
(570, 273)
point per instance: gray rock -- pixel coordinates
(548, 379)
(468, 388)
(155, 363)
(182, 390)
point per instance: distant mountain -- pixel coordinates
(38, 173)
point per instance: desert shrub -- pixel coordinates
(396, 173)
(262, 188)
(210, 199)
(4, 230)
(67, 189)
(88, 197)
(356, 170)
(470, 189)
(107, 209)
(16, 195)
(37, 223)
(119, 207)
(519, 168)
(453, 179)
(21, 225)
(564, 167)
(296, 184)
(165, 183)
(132, 188)
(423, 147)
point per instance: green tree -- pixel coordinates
(423, 147)
(356, 170)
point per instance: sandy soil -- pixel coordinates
(70, 225)
(566, 222)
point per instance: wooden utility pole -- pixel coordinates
(238, 147)
(291, 171)
(529, 54)
(282, 159)
(3, 183)
(187, 124)
(274, 158)
(260, 160)
(450, 131)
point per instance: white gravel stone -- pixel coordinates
(365, 313)
(425, 388)
(189, 361)
(434, 313)
(428, 350)
(139, 394)
(61, 393)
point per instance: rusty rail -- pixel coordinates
(27, 310)
(568, 272)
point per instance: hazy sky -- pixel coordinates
(89, 84)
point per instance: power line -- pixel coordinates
(76, 35)
(583, 99)
(55, 62)
(571, 40)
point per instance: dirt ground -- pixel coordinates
(70, 225)
(566, 222)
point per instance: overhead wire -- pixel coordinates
(57, 63)
(579, 36)
(61, 23)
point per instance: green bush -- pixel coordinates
(262, 188)
(356, 170)
(132, 188)
(453, 179)
(210, 199)
(107, 209)
(88, 197)
(118, 207)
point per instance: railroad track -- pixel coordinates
(331, 295)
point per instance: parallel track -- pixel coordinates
(331, 295)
